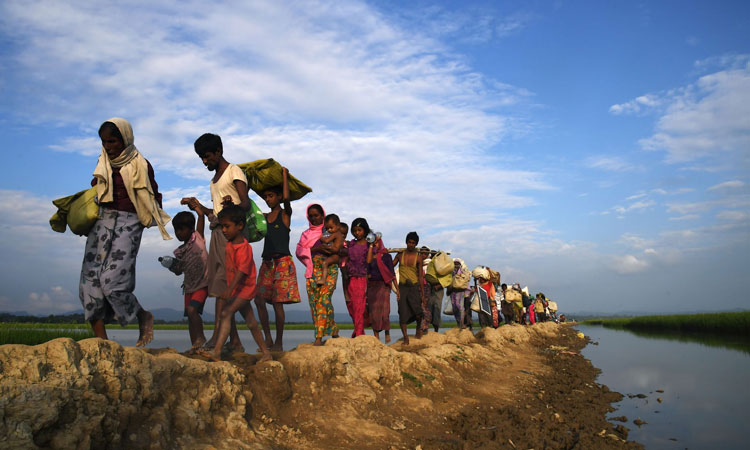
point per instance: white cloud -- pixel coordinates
(734, 184)
(628, 264)
(706, 121)
(611, 164)
(639, 104)
(685, 217)
(735, 216)
(635, 206)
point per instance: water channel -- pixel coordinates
(705, 403)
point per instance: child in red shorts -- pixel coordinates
(190, 259)
(240, 270)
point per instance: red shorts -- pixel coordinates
(196, 299)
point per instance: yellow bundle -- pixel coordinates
(267, 173)
(79, 212)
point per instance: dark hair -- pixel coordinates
(412, 236)
(233, 213)
(332, 217)
(344, 224)
(112, 129)
(208, 142)
(504, 286)
(362, 223)
(184, 219)
(278, 189)
(315, 206)
(424, 248)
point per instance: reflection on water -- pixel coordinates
(705, 403)
(741, 343)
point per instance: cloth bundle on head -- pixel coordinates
(481, 272)
(134, 171)
(306, 241)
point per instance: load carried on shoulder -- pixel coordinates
(264, 174)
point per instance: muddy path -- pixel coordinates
(514, 387)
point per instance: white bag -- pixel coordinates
(443, 264)
(448, 308)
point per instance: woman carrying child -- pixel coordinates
(129, 201)
(380, 276)
(319, 296)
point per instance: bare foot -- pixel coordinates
(277, 347)
(146, 326)
(406, 340)
(335, 335)
(318, 342)
(387, 338)
(418, 335)
(266, 357)
(210, 344)
(208, 355)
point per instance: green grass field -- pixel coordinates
(37, 333)
(737, 324)
(30, 334)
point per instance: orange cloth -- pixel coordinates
(239, 258)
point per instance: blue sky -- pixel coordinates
(595, 151)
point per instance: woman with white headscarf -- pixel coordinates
(129, 200)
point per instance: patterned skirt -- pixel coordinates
(319, 296)
(108, 270)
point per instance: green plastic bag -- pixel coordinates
(267, 173)
(255, 223)
(78, 211)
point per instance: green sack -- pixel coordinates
(267, 173)
(255, 223)
(78, 211)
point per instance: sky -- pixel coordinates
(598, 152)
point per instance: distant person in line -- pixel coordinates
(506, 307)
(482, 280)
(191, 259)
(319, 296)
(241, 289)
(433, 296)
(460, 291)
(277, 278)
(410, 293)
(228, 187)
(380, 278)
(356, 267)
(129, 201)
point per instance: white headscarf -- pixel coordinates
(134, 171)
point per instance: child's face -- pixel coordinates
(113, 145)
(314, 216)
(358, 233)
(332, 226)
(272, 198)
(183, 233)
(411, 245)
(344, 230)
(230, 229)
(211, 160)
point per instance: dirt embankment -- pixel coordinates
(514, 387)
